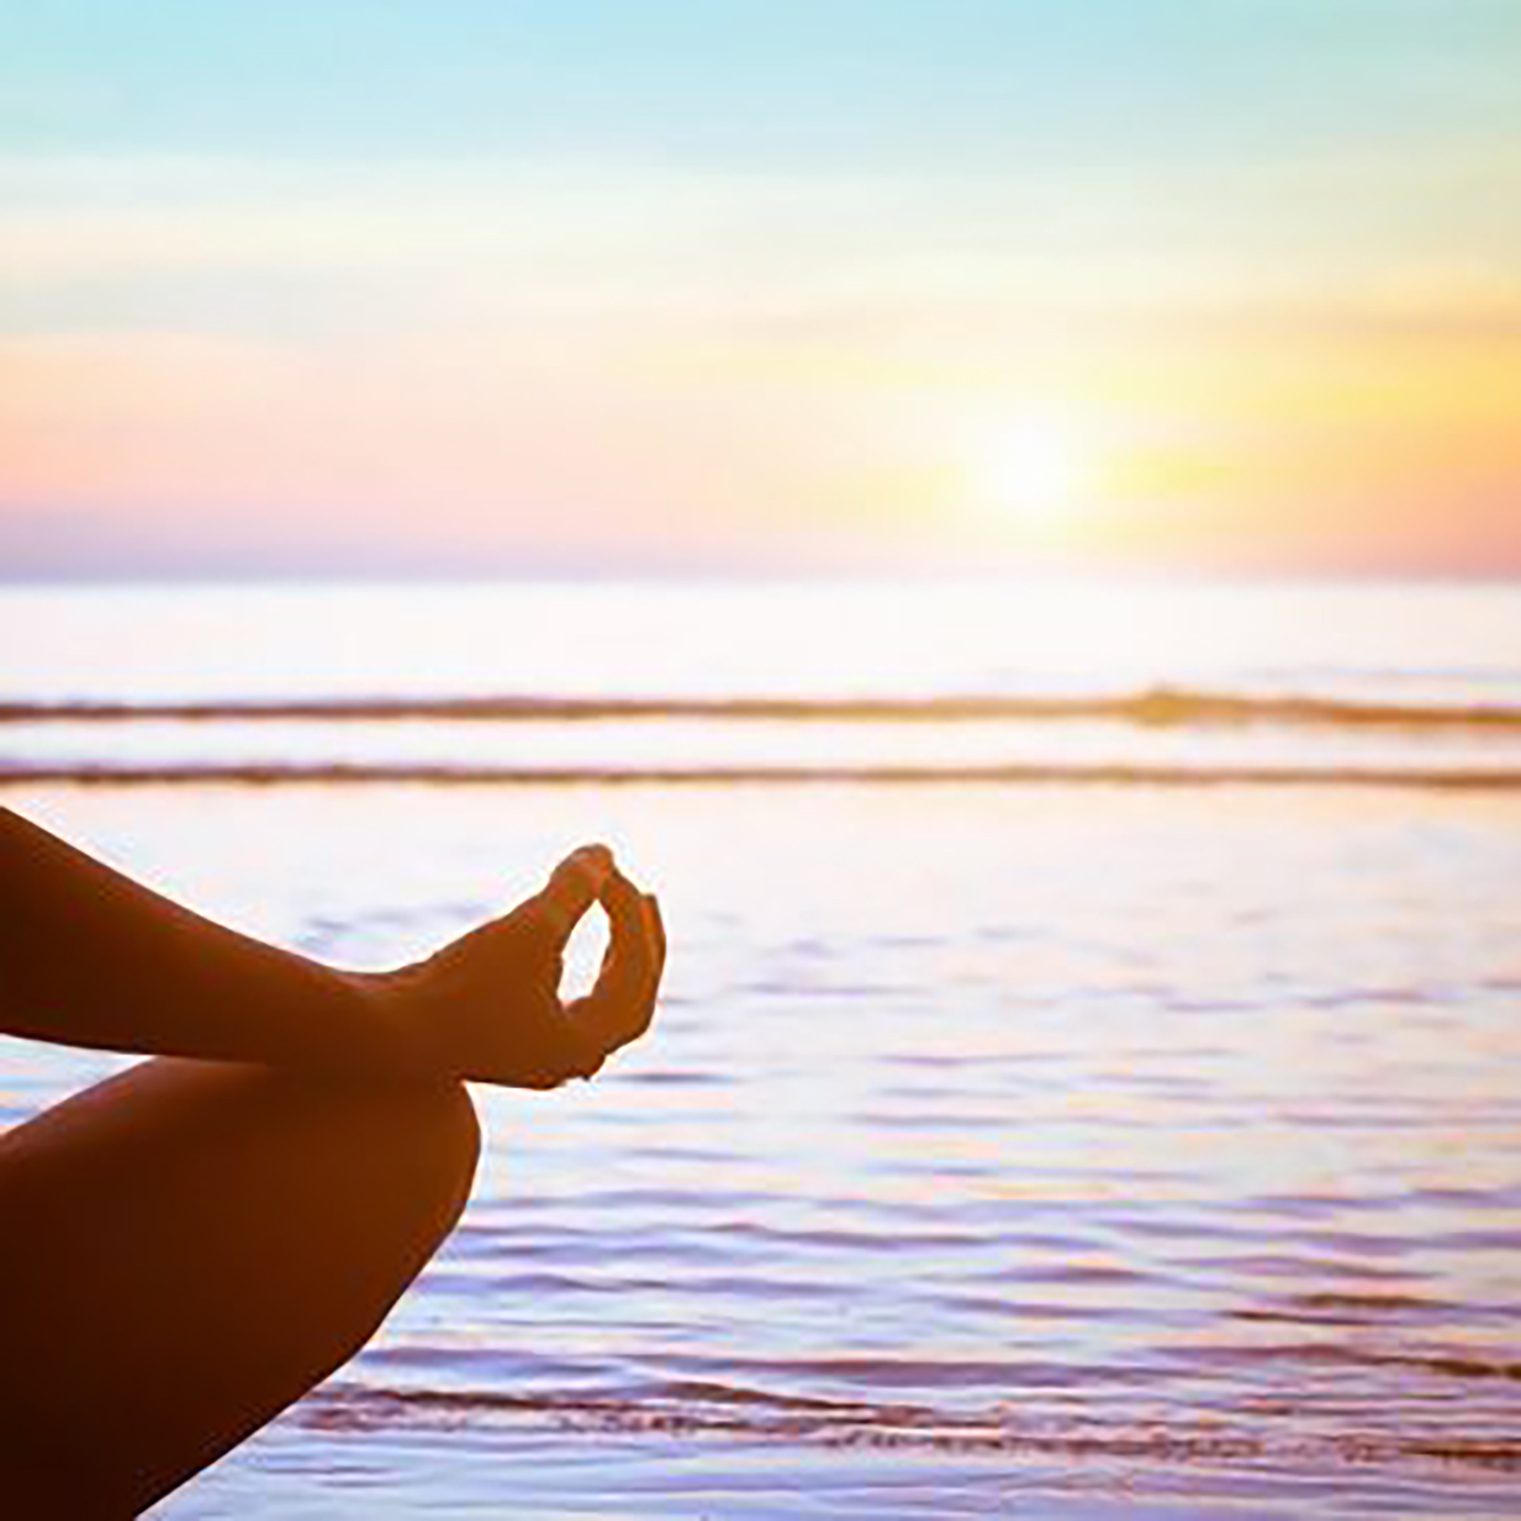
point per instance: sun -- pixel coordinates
(1036, 473)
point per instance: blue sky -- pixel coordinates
(770, 82)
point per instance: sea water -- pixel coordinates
(1089, 1077)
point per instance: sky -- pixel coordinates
(363, 287)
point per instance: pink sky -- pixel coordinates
(1300, 350)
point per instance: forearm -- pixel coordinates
(89, 957)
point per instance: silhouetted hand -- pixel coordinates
(488, 1006)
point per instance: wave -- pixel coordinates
(1157, 706)
(753, 1415)
(1455, 778)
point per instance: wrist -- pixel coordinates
(400, 1041)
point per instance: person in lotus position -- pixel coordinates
(189, 1246)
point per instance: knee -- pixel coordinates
(437, 1126)
(412, 1150)
(374, 1175)
(212, 1240)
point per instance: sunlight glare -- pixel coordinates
(1036, 474)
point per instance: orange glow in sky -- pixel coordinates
(1104, 297)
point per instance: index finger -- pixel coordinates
(573, 886)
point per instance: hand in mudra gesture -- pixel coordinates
(488, 1006)
(225, 1227)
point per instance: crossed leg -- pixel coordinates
(190, 1246)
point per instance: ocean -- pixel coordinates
(1089, 1078)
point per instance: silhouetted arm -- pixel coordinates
(89, 957)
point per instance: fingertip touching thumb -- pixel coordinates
(573, 886)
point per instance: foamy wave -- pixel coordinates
(1160, 706)
(754, 1415)
(1457, 778)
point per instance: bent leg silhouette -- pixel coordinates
(190, 1246)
